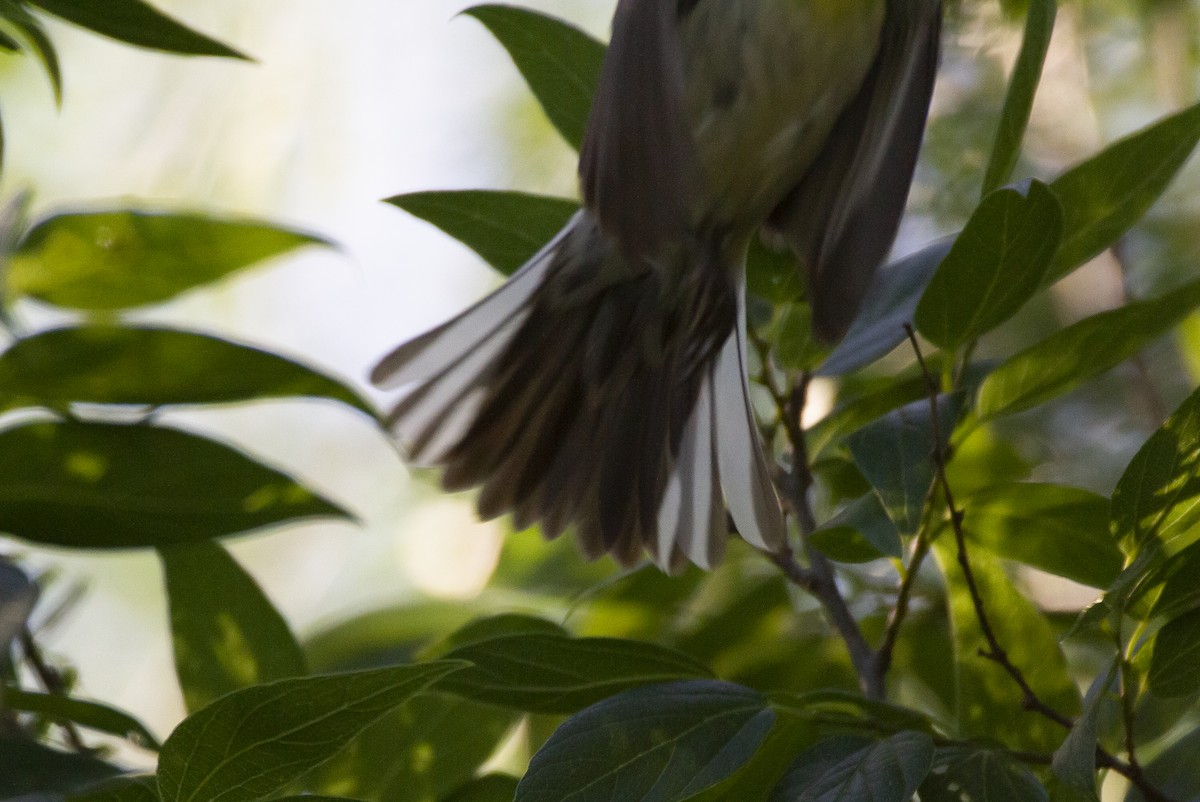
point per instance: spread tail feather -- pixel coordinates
(589, 394)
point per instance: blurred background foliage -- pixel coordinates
(337, 111)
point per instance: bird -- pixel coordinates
(603, 388)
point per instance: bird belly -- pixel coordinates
(766, 80)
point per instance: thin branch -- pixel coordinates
(52, 681)
(883, 658)
(994, 651)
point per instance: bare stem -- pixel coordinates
(52, 681)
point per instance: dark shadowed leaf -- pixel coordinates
(1074, 762)
(895, 453)
(137, 23)
(489, 788)
(989, 702)
(1039, 25)
(504, 228)
(249, 744)
(560, 63)
(768, 765)
(773, 275)
(889, 305)
(1082, 351)
(92, 715)
(859, 533)
(981, 775)
(1175, 771)
(27, 768)
(112, 260)
(1061, 530)
(18, 595)
(422, 751)
(845, 769)
(1175, 664)
(1106, 195)
(1180, 584)
(549, 673)
(225, 632)
(995, 266)
(139, 788)
(1154, 505)
(155, 367)
(107, 486)
(665, 742)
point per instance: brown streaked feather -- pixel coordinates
(843, 217)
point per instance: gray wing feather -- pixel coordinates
(842, 218)
(637, 166)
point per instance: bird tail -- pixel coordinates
(590, 395)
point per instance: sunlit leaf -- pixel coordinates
(989, 702)
(994, 267)
(504, 228)
(154, 367)
(113, 260)
(249, 744)
(846, 768)
(665, 742)
(1155, 504)
(1082, 351)
(555, 674)
(137, 23)
(979, 774)
(225, 632)
(1061, 530)
(107, 486)
(1106, 195)
(560, 63)
(32, 30)
(85, 713)
(1018, 104)
(890, 303)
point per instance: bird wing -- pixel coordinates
(637, 166)
(842, 218)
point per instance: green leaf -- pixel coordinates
(104, 261)
(504, 625)
(989, 702)
(1082, 351)
(1175, 664)
(666, 742)
(1180, 577)
(890, 303)
(791, 335)
(977, 773)
(554, 674)
(895, 454)
(845, 769)
(93, 715)
(1106, 195)
(856, 412)
(861, 532)
(560, 63)
(27, 767)
(1154, 506)
(1074, 762)
(773, 275)
(251, 743)
(850, 710)
(107, 486)
(32, 30)
(421, 751)
(994, 267)
(101, 364)
(505, 228)
(225, 640)
(1175, 772)
(489, 788)
(1018, 104)
(1061, 530)
(138, 788)
(756, 778)
(137, 23)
